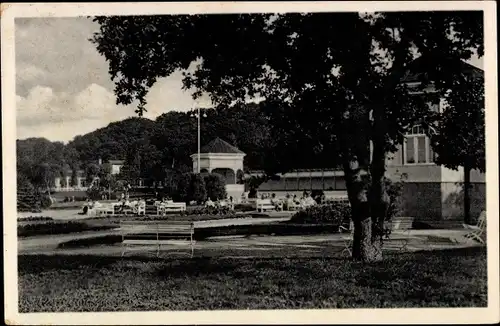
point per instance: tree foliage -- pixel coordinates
(40, 161)
(459, 138)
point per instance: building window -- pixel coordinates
(417, 148)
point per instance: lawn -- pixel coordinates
(57, 283)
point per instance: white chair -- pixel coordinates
(349, 239)
(479, 230)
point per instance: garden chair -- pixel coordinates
(478, 230)
(348, 240)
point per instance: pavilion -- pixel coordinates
(218, 156)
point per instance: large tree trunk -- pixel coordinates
(379, 199)
(366, 192)
(467, 219)
(366, 247)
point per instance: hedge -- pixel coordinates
(334, 214)
(28, 230)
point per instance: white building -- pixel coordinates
(222, 158)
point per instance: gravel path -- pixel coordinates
(265, 245)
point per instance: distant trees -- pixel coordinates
(40, 161)
(112, 141)
(101, 181)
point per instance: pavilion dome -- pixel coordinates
(220, 146)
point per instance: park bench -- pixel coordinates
(169, 207)
(145, 233)
(108, 209)
(264, 204)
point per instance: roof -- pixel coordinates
(420, 67)
(220, 146)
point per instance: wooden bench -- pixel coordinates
(156, 233)
(264, 204)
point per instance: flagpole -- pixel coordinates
(199, 119)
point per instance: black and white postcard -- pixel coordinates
(250, 162)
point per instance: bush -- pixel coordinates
(252, 193)
(183, 185)
(45, 201)
(191, 187)
(215, 186)
(244, 207)
(198, 191)
(94, 193)
(394, 190)
(335, 213)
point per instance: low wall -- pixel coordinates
(440, 201)
(453, 200)
(421, 200)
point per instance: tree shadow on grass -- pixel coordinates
(207, 266)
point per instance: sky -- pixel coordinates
(63, 88)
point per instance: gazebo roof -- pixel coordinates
(220, 146)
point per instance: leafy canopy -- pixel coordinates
(328, 71)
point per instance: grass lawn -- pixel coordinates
(57, 283)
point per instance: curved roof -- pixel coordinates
(220, 146)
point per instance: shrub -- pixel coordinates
(244, 207)
(45, 201)
(215, 186)
(94, 193)
(252, 193)
(183, 184)
(335, 213)
(191, 187)
(394, 190)
(198, 190)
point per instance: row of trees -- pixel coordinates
(332, 83)
(40, 161)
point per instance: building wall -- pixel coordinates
(434, 193)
